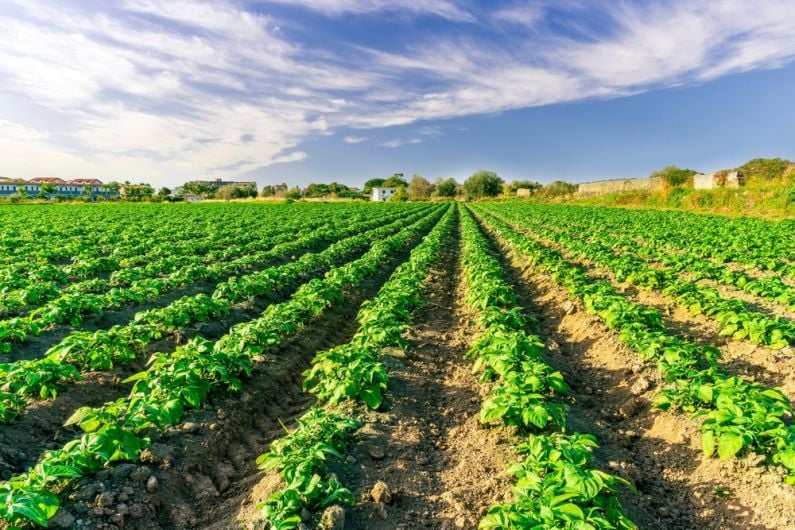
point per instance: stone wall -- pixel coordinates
(603, 187)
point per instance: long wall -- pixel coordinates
(603, 187)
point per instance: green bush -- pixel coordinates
(765, 168)
(674, 176)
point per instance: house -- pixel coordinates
(523, 192)
(383, 194)
(71, 189)
(191, 197)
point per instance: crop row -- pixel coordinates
(750, 241)
(633, 238)
(85, 351)
(350, 371)
(735, 415)
(116, 245)
(734, 319)
(71, 307)
(182, 380)
(110, 242)
(556, 486)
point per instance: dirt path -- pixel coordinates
(659, 452)
(429, 448)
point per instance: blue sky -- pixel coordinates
(319, 90)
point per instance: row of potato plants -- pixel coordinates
(734, 318)
(735, 415)
(71, 307)
(37, 242)
(753, 242)
(556, 485)
(102, 350)
(633, 239)
(196, 254)
(98, 245)
(174, 383)
(350, 371)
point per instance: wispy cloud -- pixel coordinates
(170, 89)
(446, 9)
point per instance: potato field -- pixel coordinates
(448, 365)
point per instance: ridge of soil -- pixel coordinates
(444, 468)
(660, 452)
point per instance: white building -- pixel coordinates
(383, 194)
(720, 179)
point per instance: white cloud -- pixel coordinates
(441, 8)
(391, 144)
(524, 15)
(354, 139)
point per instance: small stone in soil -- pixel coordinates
(375, 452)
(381, 493)
(151, 484)
(333, 518)
(105, 499)
(640, 386)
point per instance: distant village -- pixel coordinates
(480, 184)
(54, 188)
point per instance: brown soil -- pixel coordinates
(658, 451)
(444, 468)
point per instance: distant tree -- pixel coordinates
(227, 192)
(138, 192)
(419, 188)
(483, 184)
(372, 183)
(395, 181)
(673, 177)
(559, 188)
(445, 187)
(401, 195)
(524, 184)
(294, 193)
(164, 192)
(45, 190)
(112, 187)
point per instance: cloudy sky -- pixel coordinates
(320, 90)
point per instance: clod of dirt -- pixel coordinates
(640, 386)
(151, 484)
(333, 518)
(105, 499)
(62, 519)
(381, 492)
(380, 510)
(375, 452)
(141, 474)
